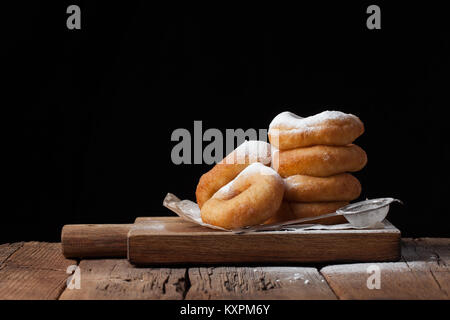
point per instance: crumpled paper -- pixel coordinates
(186, 209)
(189, 210)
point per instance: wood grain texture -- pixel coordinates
(164, 241)
(41, 255)
(173, 219)
(288, 283)
(423, 273)
(95, 240)
(7, 249)
(34, 271)
(112, 279)
(432, 254)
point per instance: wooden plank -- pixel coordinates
(7, 249)
(18, 283)
(34, 271)
(432, 254)
(163, 241)
(258, 283)
(95, 240)
(111, 279)
(423, 273)
(40, 255)
(434, 251)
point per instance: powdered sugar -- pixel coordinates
(225, 191)
(290, 121)
(253, 151)
(254, 168)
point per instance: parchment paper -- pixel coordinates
(189, 210)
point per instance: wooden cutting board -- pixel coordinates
(172, 240)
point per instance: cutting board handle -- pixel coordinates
(95, 240)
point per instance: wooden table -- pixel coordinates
(38, 270)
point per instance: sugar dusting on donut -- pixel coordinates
(255, 168)
(258, 167)
(253, 150)
(252, 198)
(290, 121)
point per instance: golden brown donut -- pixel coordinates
(226, 170)
(313, 209)
(319, 161)
(284, 213)
(251, 198)
(340, 187)
(289, 131)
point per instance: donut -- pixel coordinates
(227, 169)
(289, 131)
(284, 213)
(251, 198)
(319, 161)
(313, 209)
(340, 187)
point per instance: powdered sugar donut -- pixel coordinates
(289, 131)
(226, 170)
(251, 198)
(340, 187)
(319, 161)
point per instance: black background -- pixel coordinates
(88, 114)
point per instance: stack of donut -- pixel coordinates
(302, 173)
(314, 156)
